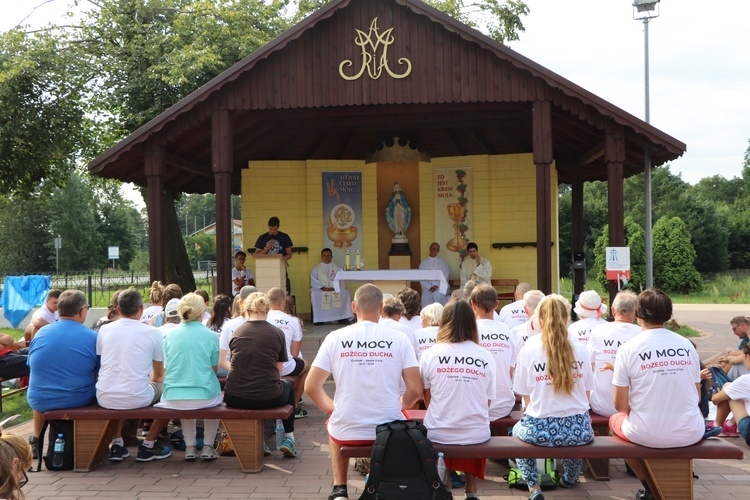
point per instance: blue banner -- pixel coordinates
(342, 216)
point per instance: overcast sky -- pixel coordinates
(699, 65)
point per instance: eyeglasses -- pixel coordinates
(734, 328)
(23, 481)
(86, 307)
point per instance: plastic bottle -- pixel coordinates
(441, 470)
(57, 458)
(279, 433)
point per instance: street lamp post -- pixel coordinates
(646, 10)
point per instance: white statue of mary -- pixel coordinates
(398, 214)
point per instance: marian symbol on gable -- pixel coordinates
(374, 47)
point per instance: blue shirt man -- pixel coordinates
(63, 360)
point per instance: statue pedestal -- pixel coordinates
(399, 261)
(270, 272)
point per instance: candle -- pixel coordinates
(358, 260)
(347, 261)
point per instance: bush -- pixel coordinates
(674, 257)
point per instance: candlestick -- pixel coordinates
(357, 260)
(347, 261)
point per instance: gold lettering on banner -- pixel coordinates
(370, 43)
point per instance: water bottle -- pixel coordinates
(441, 470)
(57, 458)
(279, 433)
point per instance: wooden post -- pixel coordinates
(155, 165)
(541, 123)
(222, 156)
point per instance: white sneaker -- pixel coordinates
(191, 452)
(209, 453)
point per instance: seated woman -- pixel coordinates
(220, 314)
(426, 336)
(258, 352)
(15, 460)
(554, 377)
(657, 382)
(412, 305)
(190, 383)
(458, 406)
(734, 397)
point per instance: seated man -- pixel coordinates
(514, 314)
(603, 344)
(44, 315)
(367, 393)
(734, 397)
(327, 305)
(132, 373)
(731, 360)
(294, 366)
(63, 359)
(475, 267)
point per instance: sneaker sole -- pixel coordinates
(301, 416)
(288, 452)
(117, 459)
(154, 457)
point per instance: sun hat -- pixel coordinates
(589, 305)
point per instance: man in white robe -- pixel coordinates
(328, 305)
(475, 267)
(431, 289)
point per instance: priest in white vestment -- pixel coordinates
(431, 289)
(475, 267)
(328, 305)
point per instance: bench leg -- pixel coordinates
(599, 467)
(247, 440)
(667, 479)
(91, 440)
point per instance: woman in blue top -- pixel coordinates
(190, 383)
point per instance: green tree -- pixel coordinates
(42, 124)
(119, 223)
(201, 247)
(674, 257)
(26, 245)
(71, 210)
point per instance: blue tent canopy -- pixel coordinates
(21, 294)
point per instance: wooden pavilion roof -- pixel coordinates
(466, 95)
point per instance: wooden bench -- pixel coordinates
(668, 471)
(94, 427)
(510, 296)
(598, 467)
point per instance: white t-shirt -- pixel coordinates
(740, 389)
(401, 327)
(604, 342)
(425, 338)
(149, 313)
(513, 314)
(581, 330)
(496, 338)
(532, 379)
(461, 379)
(227, 329)
(661, 369)
(246, 276)
(415, 323)
(47, 315)
(128, 349)
(292, 332)
(521, 333)
(367, 361)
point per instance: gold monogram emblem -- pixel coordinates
(371, 43)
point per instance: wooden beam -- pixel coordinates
(541, 133)
(222, 151)
(591, 155)
(186, 165)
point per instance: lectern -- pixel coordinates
(270, 271)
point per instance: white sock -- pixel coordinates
(119, 442)
(148, 444)
(290, 435)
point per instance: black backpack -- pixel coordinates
(56, 427)
(402, 465)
